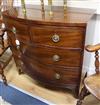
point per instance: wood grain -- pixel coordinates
(37, 46)
(92, 48)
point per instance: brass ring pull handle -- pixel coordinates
(14, 30)
(56, 58)
(57, 76)
(55, 38)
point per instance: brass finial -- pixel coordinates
(42, 9)
(49, 2)
(50, 8)
(65, 4)
(23, 6)
(42, 4)
(65, 9)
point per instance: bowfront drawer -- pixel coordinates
(19, 29)
(49, 74)
(54, 56)
(59, 75)
(58, 36)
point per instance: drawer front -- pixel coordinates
(51, 74)
(19, 29)
(54, 56)
(59, 36)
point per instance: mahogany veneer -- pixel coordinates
(51, 47)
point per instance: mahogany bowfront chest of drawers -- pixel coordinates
(50, 48)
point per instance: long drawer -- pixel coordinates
(56, 75)
(58, 36)
(54, 56)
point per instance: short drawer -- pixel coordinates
(51, 74)
(19, 29)
(59, 36)
(54, 56)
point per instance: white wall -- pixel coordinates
(96, 40)
(91, 38)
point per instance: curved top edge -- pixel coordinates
(34, 14)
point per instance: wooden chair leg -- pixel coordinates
(3, 77)
(20, 66)
(2, 43)
(20, 71)
(82, 95)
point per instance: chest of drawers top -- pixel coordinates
(34, 14)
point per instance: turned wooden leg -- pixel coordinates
(82, 95)
(20, 71)
(2, 43)
(2, 38)
(18, 65)
(21, 66)
(3, 77)
(76, 92)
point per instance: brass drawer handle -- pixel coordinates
(56, 58)
(57, 76)
(55, 38)
(14, 30)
